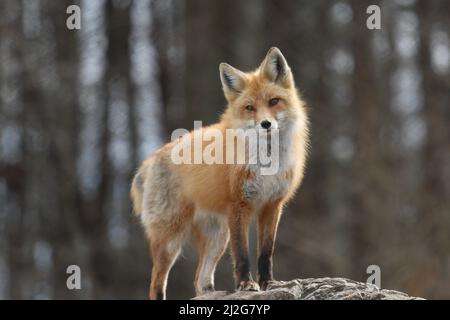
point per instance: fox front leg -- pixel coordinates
(239, 221)
(267, 229)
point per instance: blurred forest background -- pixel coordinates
(80, 109)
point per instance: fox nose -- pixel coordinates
(265, 124)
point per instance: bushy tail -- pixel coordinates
(136, 192)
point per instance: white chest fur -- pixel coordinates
(263, 188)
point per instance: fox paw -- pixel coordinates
(206, 289)
(248, 285)
(264, 283)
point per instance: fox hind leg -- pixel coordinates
(164, 252)
(211, 238)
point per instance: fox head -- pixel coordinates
(263, 99)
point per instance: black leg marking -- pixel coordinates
(265, 262)
(160, 295)
(242, 267)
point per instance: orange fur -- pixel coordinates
(169, 196)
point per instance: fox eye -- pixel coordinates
(250, 108)
(273, 102)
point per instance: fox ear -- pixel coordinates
(276, 69)
(233, 80)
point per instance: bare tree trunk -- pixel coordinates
(16, 174)
(433, 193)
(370, 205)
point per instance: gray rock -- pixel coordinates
(312, 289)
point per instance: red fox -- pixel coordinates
(215, 203)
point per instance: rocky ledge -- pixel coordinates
(312, 289)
